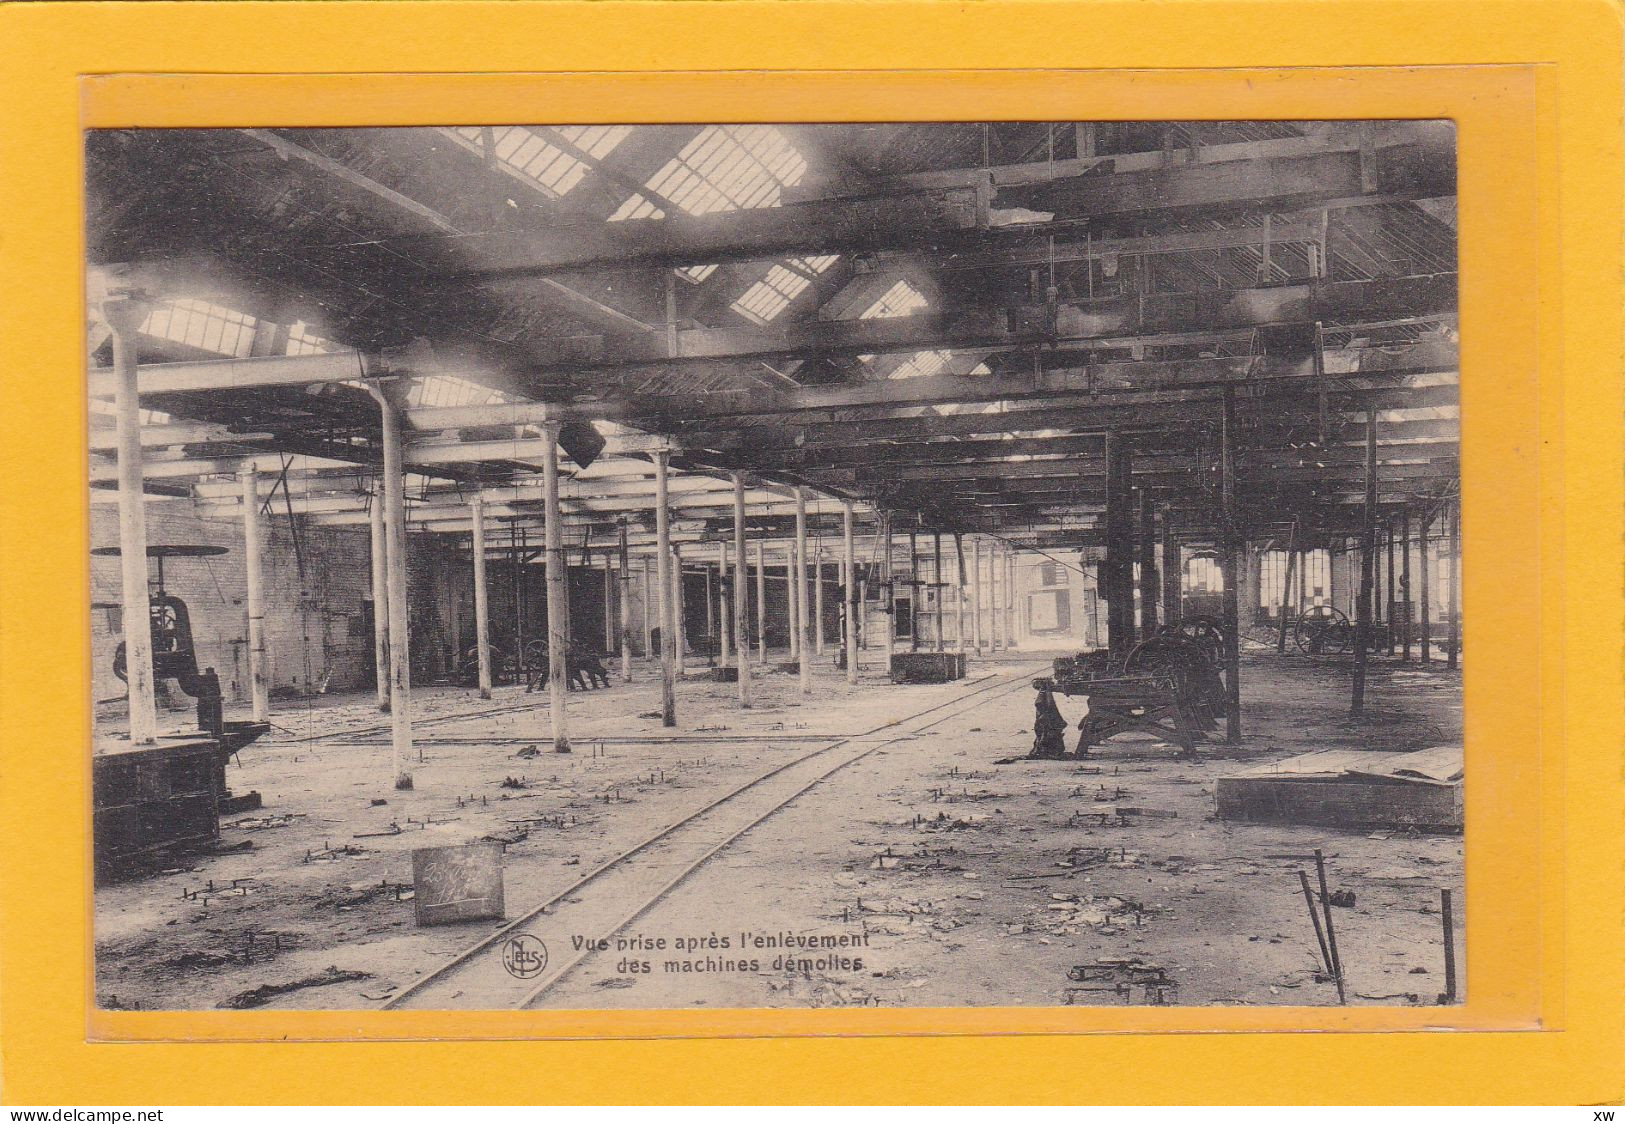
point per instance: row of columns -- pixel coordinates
(387, 522)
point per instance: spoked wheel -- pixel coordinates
(1323, 631)
(1204, 631)
(1188, 660)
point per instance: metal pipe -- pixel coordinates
(259, 681)
(849, 593)
(1007, 595)
(976, 593)
(791, 608)
(558, 637)
(681, 605)
(1331, 932)
(937, 584)
(609, 604)
(818, 597)
(993, 614)
(1447, 916)
(806, 654)
(648, 566)
(400, 667)
(961, 601)
(1119, 568)
(1424, 523)
(1368, 566)
(626, 608)
(913, 590)
(668, 615)
(380, 594)
(482, 599)
(1314, 918)
(1405, 585)
(741, 593)
(887, 580)
(761, 603)
(124, 315)
(723, 629)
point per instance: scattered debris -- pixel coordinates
(1128, 980)
(260, 996)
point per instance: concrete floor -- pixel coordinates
(966, 882)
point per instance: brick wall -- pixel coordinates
(318, 628)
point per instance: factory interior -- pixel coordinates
(800, 565)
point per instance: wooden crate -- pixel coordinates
(152, 799)
(927, 667)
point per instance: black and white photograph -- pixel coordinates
(708, 566)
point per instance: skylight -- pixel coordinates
(302, 341)
(816, 264)
(450, 390)
(724, 168)
(211, 327)
(921, 363)
(772, 294)
(528, 151)
(902, 299)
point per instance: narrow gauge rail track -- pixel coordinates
(620, 890)
(528, 702)
(615, 739)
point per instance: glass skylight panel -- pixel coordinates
(921, 363)
(724, 168)
(530, 153)
(210, 327)
(901, 299)
(817, 264)
(637, 207)
(450, 390)
(772, 294)
(302, 341)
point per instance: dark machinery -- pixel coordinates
(153, 799)
(1169, 685)
(584, 668)
(1192, 660)
(1322, 631)
(173, 654)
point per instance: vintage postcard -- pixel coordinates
(938, 564)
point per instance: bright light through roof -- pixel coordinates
(772, 294)
(210, 327)
(921, 363)
(302, 341)
(530, 153)
(902, 299)
(724, 168)
(450, 390)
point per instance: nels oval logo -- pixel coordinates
(524, 956)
